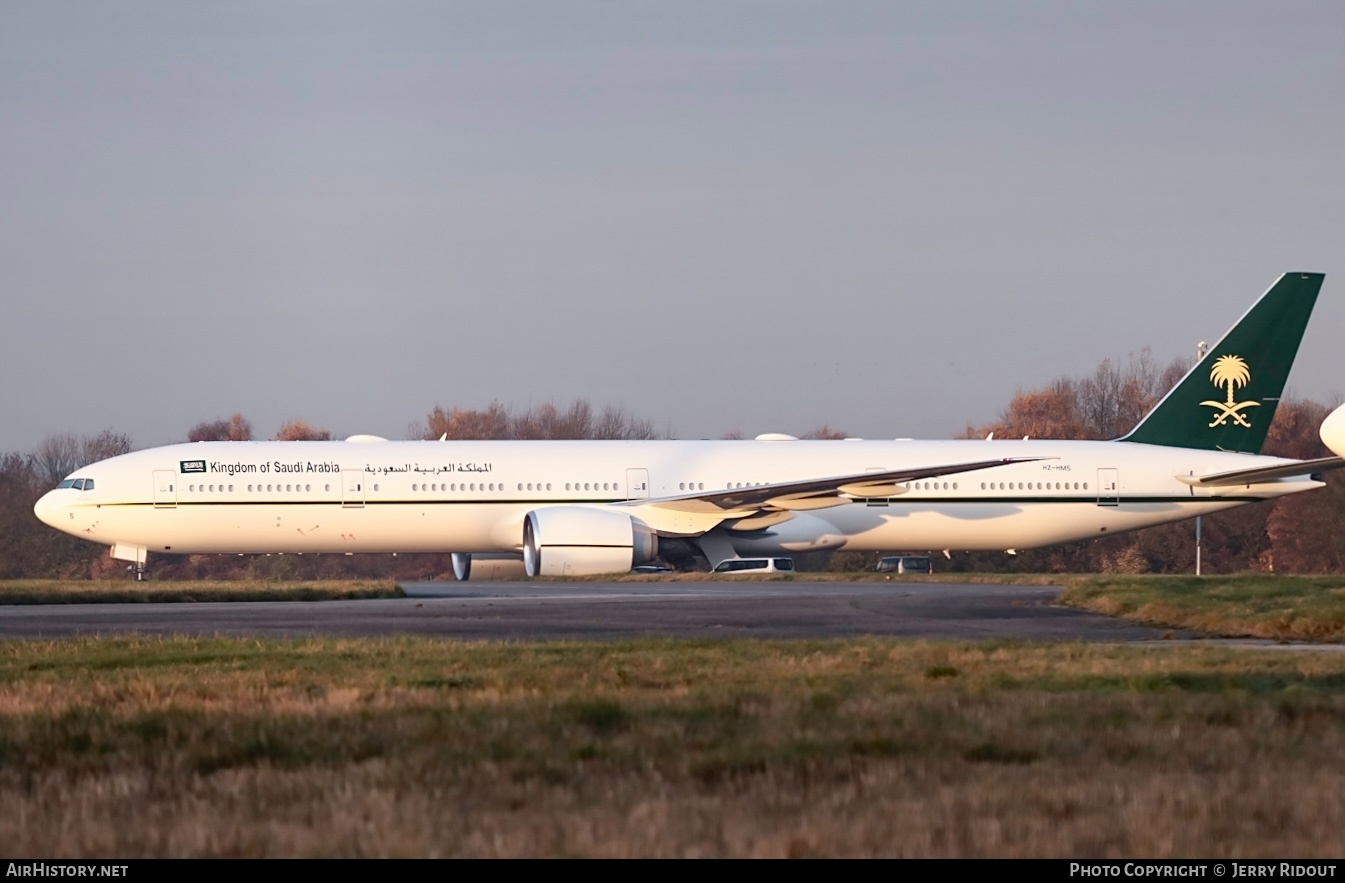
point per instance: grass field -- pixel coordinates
(1288, 608)
(39, 591)
(402, 747)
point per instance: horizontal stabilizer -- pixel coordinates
(1263, 473)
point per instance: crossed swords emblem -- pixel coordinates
(1230, 372)
(1231, 410)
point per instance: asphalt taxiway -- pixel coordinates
(594, 610)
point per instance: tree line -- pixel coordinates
(1296, 534)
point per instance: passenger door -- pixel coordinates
(352, 489)
(637, 484)
(1108, 487)
(165, 489)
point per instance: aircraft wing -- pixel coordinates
(812, 493)
(1259, 474)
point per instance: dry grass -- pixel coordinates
(48, 591)
(1286, 608)
(178, 747)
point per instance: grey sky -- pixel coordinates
(724, 215)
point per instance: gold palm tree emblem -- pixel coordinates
(1231, 373)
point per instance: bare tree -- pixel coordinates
(298, 430)
(236, 428)
(57, 456)
(618, 423)
(576, 421)
(1106, 404)
(463, 423)
(104, 445)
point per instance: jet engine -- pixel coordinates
(478, 566)
(580, 541)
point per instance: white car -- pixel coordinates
(756, 565)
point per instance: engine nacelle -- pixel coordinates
(580, 541)
(487, 566)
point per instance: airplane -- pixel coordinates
(1332, 431)
(570, 508)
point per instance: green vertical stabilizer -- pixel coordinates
(1226, 402)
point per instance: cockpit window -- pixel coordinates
(88, 484)
(79, 484)
(69, 482)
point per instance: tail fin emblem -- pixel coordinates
(1230, 372)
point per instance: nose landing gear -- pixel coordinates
(137, 555)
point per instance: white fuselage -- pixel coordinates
(470, 496)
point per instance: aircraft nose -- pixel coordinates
(1333, 431)
(47, 509)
